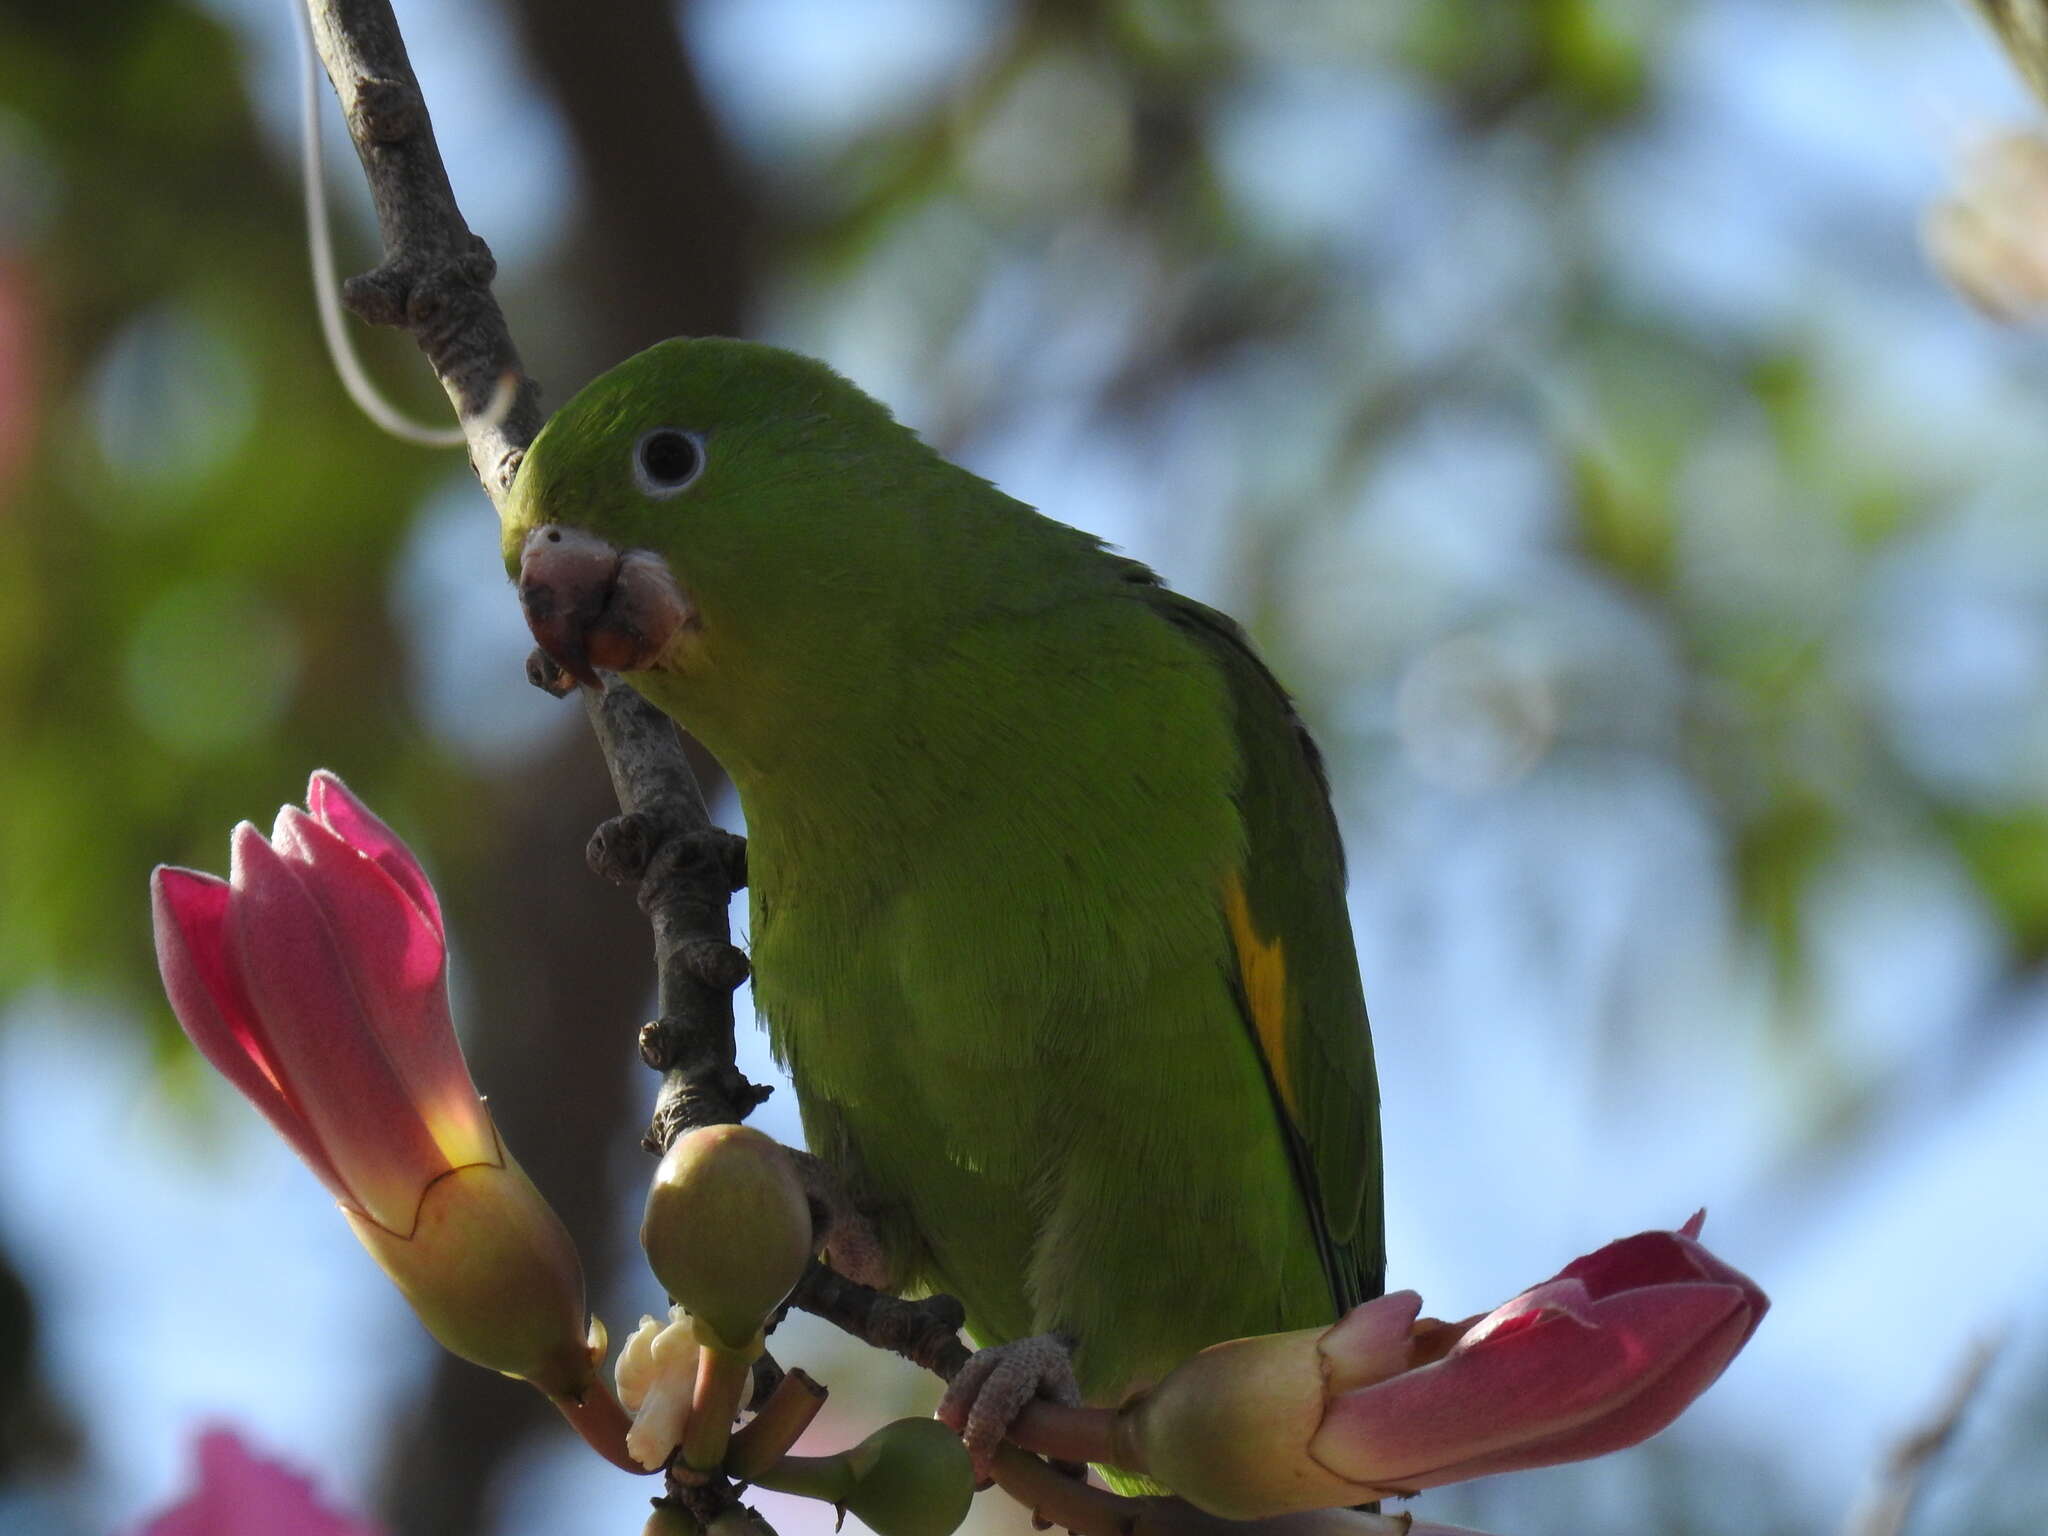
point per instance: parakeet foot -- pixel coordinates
(851, 1244)
(996, 1384)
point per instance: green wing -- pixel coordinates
(1296, 975)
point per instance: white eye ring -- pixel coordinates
(667, 461)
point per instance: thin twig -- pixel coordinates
(686, 870)
(1056, 1499)
(1889, 1506)
(341, 351)
(926, 1332)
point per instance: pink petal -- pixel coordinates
(1660, 1258)
(1660, 1401)
(1396, 1434)
(1370, 1342)
(382, 932)
(396, 963)
(1530, 1307)
(329, 1057)
(240, 1494)
(1493, 1399)
(1645, 1260)
(337, 809)
(189, 910)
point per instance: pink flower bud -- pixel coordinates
(1604, 1355)
(315, 979)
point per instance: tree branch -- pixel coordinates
(686, 870)
(926, 1332)
(1056, 1499)
(1888, 1510)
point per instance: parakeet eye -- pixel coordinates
(666, 460)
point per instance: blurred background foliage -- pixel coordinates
(1554, 386)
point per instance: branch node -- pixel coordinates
(377, 297)
(542, 672)
(924, 1332)
(689, 1101)
(656, 1046)
(426, 307)
(704, 1500)
(479, 266)
(438, 307)
(682, 849)
(621, 848)
(715, 963)
(389, 110)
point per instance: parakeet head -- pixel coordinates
(731, 522)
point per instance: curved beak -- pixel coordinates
(590, 604)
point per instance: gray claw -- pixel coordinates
(996, 1384)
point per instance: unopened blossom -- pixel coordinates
(1600, 1357)
(315, 979)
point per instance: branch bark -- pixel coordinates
(686, 870)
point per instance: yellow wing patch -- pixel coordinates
(1262, 971)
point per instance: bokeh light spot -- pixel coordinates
(171, 398)
(465, 637)
(210, 667)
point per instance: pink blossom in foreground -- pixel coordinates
(243, 1494)
(1598, 1358)
(315, 978)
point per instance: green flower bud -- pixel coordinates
(1224, 1430)
(727, 1229)
(668, 1519)
(909, 1478)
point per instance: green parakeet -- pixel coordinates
(1048, 912)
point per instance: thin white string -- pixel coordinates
(327, 286)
